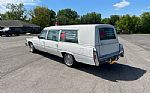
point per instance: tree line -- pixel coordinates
(44, 17)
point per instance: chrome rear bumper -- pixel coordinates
(111, 57)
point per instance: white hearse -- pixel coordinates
(89, 44)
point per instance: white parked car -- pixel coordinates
(89, 44)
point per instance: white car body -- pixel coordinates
(84, 43)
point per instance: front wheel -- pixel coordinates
(69, 60)
(32, 48)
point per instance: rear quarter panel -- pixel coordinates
(83, 54)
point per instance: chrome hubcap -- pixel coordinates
(31, 48)
(68, 60)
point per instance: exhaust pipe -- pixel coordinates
(112, 61)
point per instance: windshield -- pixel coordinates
(6, 29)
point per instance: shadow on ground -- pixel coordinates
(109, 72)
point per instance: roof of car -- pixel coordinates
(77, 26)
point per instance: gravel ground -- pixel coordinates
(142, 40)
(25, 72)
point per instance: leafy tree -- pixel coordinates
(15, 12)
(125, 24)
(2, 16)
(91, 18)
(106, 21)
(145, 22)
(128, 24)
(67, 17)
(114, 19)
(135, 24)
(42, 16)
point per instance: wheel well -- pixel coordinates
(29, 43)
(63, 53)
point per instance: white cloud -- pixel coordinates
(121, 4)
(148, 7)
(3, 3)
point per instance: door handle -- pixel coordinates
(56, 45)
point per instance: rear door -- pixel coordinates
(108, 41)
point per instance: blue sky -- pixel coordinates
(105, 7)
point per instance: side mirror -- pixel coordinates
(39, 36)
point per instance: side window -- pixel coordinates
(69, 36)
(53, 35)
(43, 34)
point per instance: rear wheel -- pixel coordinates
(7, 35)
(18, 34)
(10, 34)
(69, 60)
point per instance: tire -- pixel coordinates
(17, 34)
(32, 48)
(7, 35)
(10, 34)
(69, 60)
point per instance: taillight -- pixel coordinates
(94, 55)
